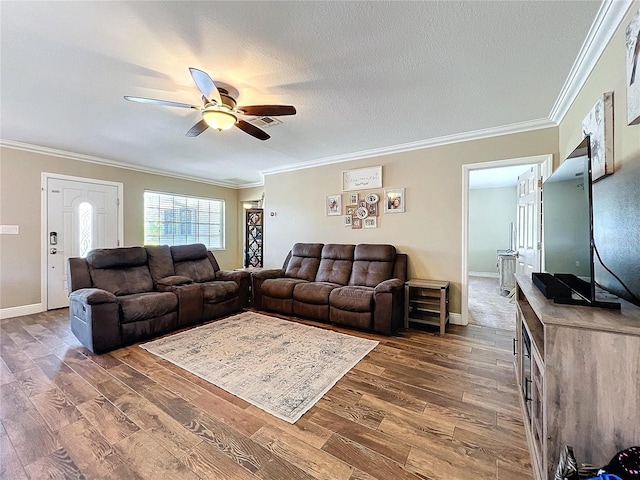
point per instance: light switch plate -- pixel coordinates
(9, 229)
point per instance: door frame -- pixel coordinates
(546, 166)
(44, 234)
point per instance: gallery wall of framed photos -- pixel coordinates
(364, 199)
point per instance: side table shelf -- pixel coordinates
(427, 302)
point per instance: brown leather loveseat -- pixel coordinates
(360, 286)
(119, 296)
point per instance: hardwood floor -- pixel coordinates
(419, 406)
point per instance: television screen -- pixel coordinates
(566, 207)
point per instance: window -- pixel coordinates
(178, 220)
(85, 228)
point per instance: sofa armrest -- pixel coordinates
(232, 275)
(389, 285)
(167, 284)
(93, 296)
(269, 273)
(388, 306)
(94, 316)
(243, 279)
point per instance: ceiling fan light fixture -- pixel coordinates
(219, 119)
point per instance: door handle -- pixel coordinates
(53, 251)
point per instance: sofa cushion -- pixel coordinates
(335, 264)
(372, 264)
(144, 306)
(122, 281)
(216, 292)
(304, 261)
(193, 261)
(353, 299)
(160, 262)
(316, 293)
(173, 281)
(117, 257)
(280, 287)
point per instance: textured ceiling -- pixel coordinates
(363, 76)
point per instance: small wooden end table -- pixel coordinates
(427, 302)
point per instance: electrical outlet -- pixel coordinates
(9, 229)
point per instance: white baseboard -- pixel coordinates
(20, 311)
(484, 274)
(456, 319)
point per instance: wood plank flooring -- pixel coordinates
(419, 406)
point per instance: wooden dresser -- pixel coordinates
(579, 379)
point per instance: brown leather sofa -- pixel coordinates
(360, 286)
(119, 296)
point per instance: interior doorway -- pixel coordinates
(493, 189)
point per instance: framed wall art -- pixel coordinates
(394, 200)
(633, 70)
(598, 124)
(353, 199)
(334, 205)
(362, 179)
(348, 220)
(370, 222)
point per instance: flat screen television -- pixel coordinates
(567, 228)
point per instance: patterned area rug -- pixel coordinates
(280, 366)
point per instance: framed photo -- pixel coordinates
(362, 179)
(348, 220)
(334, 205)
(356, 223)
(598, 124)
(353, 199)
(633, 70)
(394, 200)
(351, 209)
(373, 209)
(370, 222)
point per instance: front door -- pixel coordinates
(80, 215)
(528, 244)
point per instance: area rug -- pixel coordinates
(280, 366)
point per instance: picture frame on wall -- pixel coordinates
(370, 222)
(394, 200)
(633, 70)
(348, 220)
(353, 199)
(362, 178)
(356, 223)
(334, 205)
(598, 125)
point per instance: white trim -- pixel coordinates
(607, 20)
(407, 147)
(456, 319)
(44, 235)
(546, 166)
(21, 310)
(484, 274)
(26, 147)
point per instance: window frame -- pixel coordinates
(195, 226)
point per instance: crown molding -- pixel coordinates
(407, 147)
(607, 20)
(27, 147)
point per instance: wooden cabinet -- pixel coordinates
(579, 380)
(253, 240)
(427, 302)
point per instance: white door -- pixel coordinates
(80, 216)
(529, 221)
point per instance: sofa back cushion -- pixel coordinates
(335, 264)
(121, 271)
(160, 262)
(304, 261)
(372, 264)
(192, 261)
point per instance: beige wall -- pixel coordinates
(20, 200)
(491, 212)
(430, 231)
(608, 76)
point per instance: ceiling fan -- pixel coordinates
(219, 109)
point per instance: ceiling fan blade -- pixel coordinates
(268, 110)
(252, 130)
(165, 103)
(197, 129)
(206, 85)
